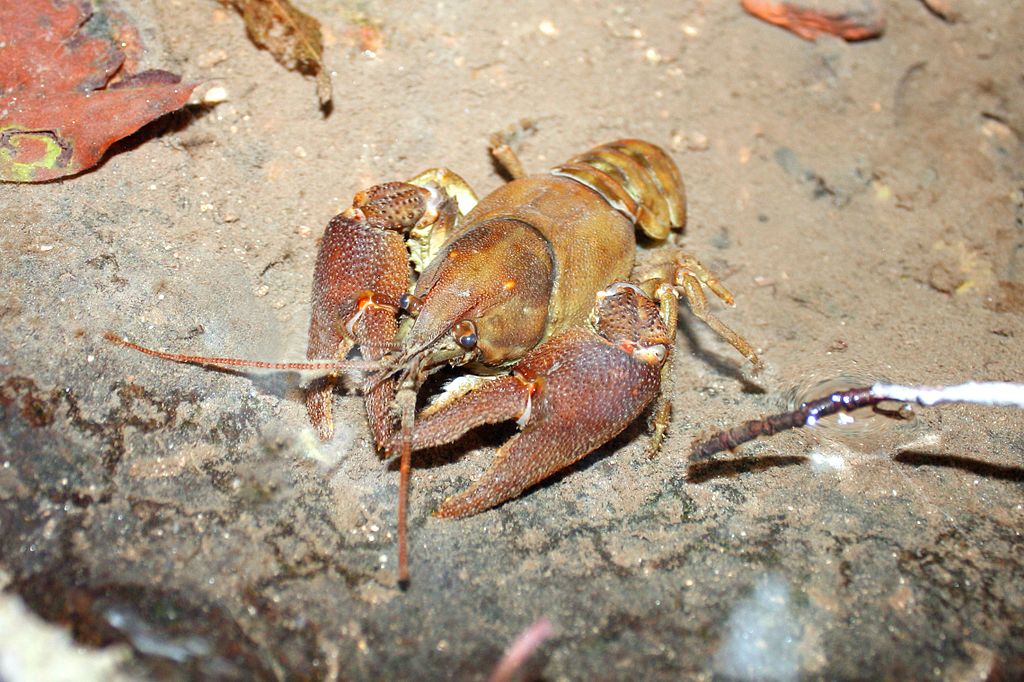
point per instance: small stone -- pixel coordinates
(548, 28)
(694, 142)
(838, 346)
(211, 58)
(215, 95)
(697, 142)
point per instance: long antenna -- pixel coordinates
(324, 366)
(408, 406)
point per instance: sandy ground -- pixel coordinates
(865, 203)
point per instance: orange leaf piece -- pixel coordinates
(66, 92)
(849, 19)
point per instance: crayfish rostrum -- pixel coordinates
(532, 290)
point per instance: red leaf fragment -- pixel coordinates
(849, 19)
(67, 91)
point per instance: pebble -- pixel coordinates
(215, 95)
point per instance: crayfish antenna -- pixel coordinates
(407, 405)
(318, 368)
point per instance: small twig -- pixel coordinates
(990, 393)
(524, 646)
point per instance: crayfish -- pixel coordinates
(532, 290)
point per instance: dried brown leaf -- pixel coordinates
(69, 87)
(290, 35)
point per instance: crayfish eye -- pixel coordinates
(465, 334)
(410, 304)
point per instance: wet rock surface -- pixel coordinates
(862, 201)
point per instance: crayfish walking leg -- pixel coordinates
(688, 277)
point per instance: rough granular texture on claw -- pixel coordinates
(631, 317)
(357, 263)
(393, 205)
(378, 398)
(591, 392)
(354, 257)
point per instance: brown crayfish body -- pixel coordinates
(533, 289)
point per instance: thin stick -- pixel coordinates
(326, 367)
(992, 393)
